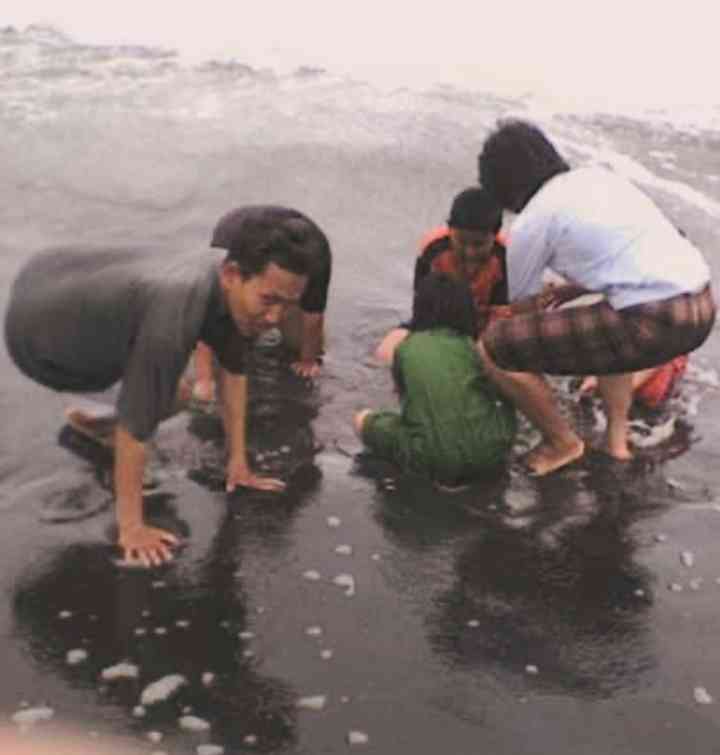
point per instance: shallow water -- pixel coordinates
(523, 616)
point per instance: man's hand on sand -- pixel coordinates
(306, 369)
(146, 546)
(239, 475)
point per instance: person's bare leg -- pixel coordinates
(94, 421)
(98, 421)
(642, 376)
(590, 383)
(532, 395)
(386, 350)
(616, 392)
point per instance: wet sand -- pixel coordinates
(360, 609)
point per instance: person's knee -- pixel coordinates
(359, 421)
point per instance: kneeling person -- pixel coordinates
(81, 320)
(454, 425)
(303, 325)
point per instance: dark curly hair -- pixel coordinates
(515, 161)
(256, 235)
(441, 301)
(475, 209)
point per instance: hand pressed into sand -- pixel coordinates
(239, 474)
(145, 545)
(306, 368)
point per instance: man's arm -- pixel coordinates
(234, 416)
(311, 346)
(204, 387)
(551, 297)
(140, 543)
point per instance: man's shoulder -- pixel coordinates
(434, 242)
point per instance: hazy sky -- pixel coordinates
(620, 49)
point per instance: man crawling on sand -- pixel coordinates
(83, 319)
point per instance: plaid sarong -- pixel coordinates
(600, 340)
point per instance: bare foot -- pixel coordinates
(619, 451)
(545, 458)
(97, 426)
(588, 385)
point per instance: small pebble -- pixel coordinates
(313, 702)
(65, 614)
(193, 723)
(160, 630)
(182, 623)
(158, 583)
(120, 671)
(138, 711)
(639, 593)
(248, 653)
(312, 575)
(246, 635)
(145, 614)
(314, 631)
(344, 550)
(208, 678)
(347, 581)
(76, 656)
(155, 736)
(162, 689)
(333, 521)
(357, 738)
(140, 631)
(531, 669)
(687, 558)
(260, 609)
(284, 449)
(250, 739)
(32, 716)
(375, 557)
(473, 623)
(326, 655)
(702, 696)
(696, 583)
(661, 538)
(675, 587)
(209, 750)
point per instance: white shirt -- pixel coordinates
(600, 231)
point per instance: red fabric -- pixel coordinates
(483, 282)
(659, 386)
(432, 235)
